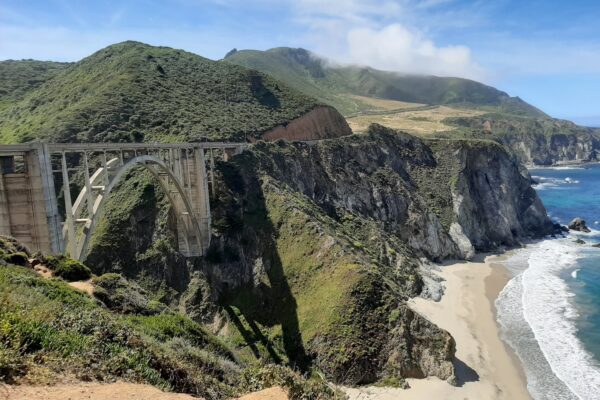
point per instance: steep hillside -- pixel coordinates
(51, 333)
(134, 92)
(19, 77)
(335, 85)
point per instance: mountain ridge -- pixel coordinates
(316, 75)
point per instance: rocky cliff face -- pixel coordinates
(320, 123)
(318, 244)
(540, 149)
(316, 247)
(538, 141)
(424, 192)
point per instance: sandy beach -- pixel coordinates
(486, 368)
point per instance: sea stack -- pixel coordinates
(578, 224)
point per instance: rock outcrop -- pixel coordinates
(320, 123)
(579, 225)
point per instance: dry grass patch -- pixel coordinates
(419, 122)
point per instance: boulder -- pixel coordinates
(578, 224)
(579, 241)
(596, 245)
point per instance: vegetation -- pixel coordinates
(134, 92)
(17, 78)
(66, 268)
(48, 330)
(336, 85)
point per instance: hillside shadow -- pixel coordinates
(270, 302)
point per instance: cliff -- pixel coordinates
(319, 123)
(543, 141)
(317, 247)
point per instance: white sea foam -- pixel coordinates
(552, 183)
(574, 273)
(541, 382)
(548, 310)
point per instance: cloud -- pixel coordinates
(377, 33)
(397, 48)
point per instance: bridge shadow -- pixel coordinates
(270, 302)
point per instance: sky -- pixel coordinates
(546, 52)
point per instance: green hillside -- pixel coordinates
(19, 77)
(132, 91)
(335, 85)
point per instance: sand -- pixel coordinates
(486, 367)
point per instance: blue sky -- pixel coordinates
(547, 52)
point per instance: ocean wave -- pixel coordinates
(548, 310)
(557, 168)
(551, 182)
(541, 381)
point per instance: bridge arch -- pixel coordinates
(187, 223)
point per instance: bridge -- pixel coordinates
(31, 173)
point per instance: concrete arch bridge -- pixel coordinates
(30, 174)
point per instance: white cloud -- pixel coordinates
(397, 48)
(377, 33)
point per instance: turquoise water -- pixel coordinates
(568, 193)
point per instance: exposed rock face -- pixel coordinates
(323, 240)
(538, 141)
(494, 203)
(540, 149)
(319, 123)
(443, 198)
(579, 225)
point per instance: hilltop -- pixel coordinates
(131, 91)
(343, 86)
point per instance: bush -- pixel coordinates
(11, 365)
(19, 258)
(67, 268)
(299, 388)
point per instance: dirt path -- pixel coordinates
(89, 391)
(274, 393)
(114, 391)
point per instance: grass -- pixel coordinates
(422, 122)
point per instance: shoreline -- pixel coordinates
(486, 367)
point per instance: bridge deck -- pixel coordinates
(60, 147)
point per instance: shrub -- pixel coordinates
(11, 365)
(67, 268)
(265, 376)
(18, 258)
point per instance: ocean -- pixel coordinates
(549, 312)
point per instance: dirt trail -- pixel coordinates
(114, 391)
(274, 393)
(89, 391)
